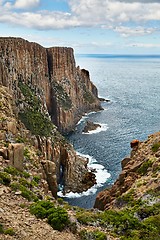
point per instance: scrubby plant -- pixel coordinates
(25, 192)
(36, 179)
(5, 178)
(92, 235)
(36, 122)
(58, 219)
(155, 146)
(144, 167)
(57, 216)
(12, 170)
(9, 231)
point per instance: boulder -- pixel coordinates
(134, 143)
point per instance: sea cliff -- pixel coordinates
(43, 93)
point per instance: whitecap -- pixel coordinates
(101, 177)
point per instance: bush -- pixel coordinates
(41, 208)
(155, 147)
(144, 167)
(11, 170)
(58, 219)
(5, 178)
(92, 235)
(9, 231)
(57, 216)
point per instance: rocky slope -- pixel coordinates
(64, 90)
(139, 179)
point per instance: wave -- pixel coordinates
(103, 127)
(101, 177)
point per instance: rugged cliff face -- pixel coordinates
(139, 181)
(39, 87)
(64, 90)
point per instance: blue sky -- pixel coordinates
(89, 26)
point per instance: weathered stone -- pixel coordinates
(124, 162)
(50, 171)
(16, 155)
(134, 143)
(4, 153)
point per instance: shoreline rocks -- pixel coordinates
(90, 126)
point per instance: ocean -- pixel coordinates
(132, 84)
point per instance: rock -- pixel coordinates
(50, 172)
(4, 153)
(104, 100)
(134, 143)
(66, 91)
(124, 162)
(16, 155)
(90, 126)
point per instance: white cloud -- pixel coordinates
(137, 31)
(91, 13)
(144, 45)
(26, 4)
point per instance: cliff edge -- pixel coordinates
(64, 90)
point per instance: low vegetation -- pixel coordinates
(57, 216)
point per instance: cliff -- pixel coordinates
(64, 90)
(41, 92)
(139, 180)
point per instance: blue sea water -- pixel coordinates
(132, 84)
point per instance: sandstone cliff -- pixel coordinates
(64, 90)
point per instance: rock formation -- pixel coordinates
(140, 175)
(64, 90)
(39, 87)
(90, 126)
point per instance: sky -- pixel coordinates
(88, 26)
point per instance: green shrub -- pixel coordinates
(155, 147)
(36, 122)
(9, 231)
(86, 217)
(5, 178)
(41, 208)
(92, 235)
(36, 179)
(147, 211)
(144, 167)
(25, 192)
(12, 170)
(58, 219)
(57, 216)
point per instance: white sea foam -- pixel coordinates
(101, 176)
(103, 127)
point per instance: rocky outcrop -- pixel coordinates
(64, 90)
(140, 175)
(90, 126)
(47, 154)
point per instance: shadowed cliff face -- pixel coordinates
(65, 91)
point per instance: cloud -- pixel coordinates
(144, 45)
(137, 31)
(84, 13)
(20, 4)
